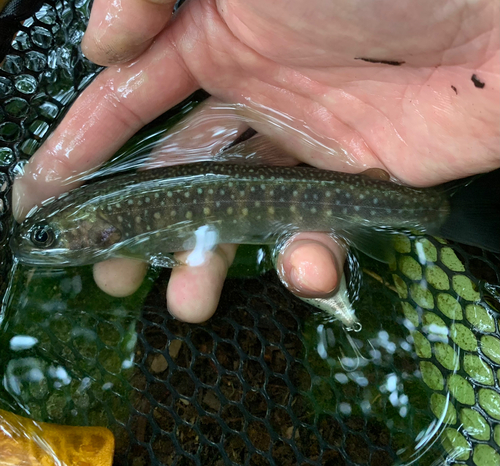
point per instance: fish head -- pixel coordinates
(70, 236)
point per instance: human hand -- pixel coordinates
(426, 121)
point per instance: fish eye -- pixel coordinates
(42, 236)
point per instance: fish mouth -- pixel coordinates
(41, 258)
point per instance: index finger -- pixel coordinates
(118, 103)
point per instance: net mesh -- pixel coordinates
(262, 383)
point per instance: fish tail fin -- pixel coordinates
(474, 217)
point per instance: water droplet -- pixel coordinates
(29, 146)
(26, 84)
(16, 107)
(41, 37)
(48, 110)
(4, 182)
(21, 40)
(13, 64)
(9, 132)
(6, 87)
(35, 61)
(46, 14)
(6, 156)
(39, 128)
(16, 169)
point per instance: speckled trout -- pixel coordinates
(149, 214)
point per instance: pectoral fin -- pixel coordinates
(154, 258)
(376, 243)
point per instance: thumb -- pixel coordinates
(120, 31)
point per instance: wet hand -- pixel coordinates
(426, 111)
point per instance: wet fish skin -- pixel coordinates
(159, 210)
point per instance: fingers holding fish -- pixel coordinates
(120, 277)
(117, 103)
(310, 264)
(116, 35)
(193, 291)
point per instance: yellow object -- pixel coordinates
(24, 442)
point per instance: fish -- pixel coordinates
(150, 214)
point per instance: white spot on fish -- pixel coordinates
(157, 195)
(205, 240)
(186, 194)
(137, 219)
(313, 210)
(120, 218)
(147, 200)
(217, 204)
(189, 215)
(130, 202)
(361, 196)
(206, 210)
(169, 193)
(257, 203)
(375, 200)
(229, 210)
(173, 213)
(356, 208)
(295, 193)
(210, 191)
(263, 187)
(244, 211)
(222, 192)
(199, 191)
(329, 213)
(242, 193)
(157, 215)
(293, 209)
(270, 210)
(118, 206)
